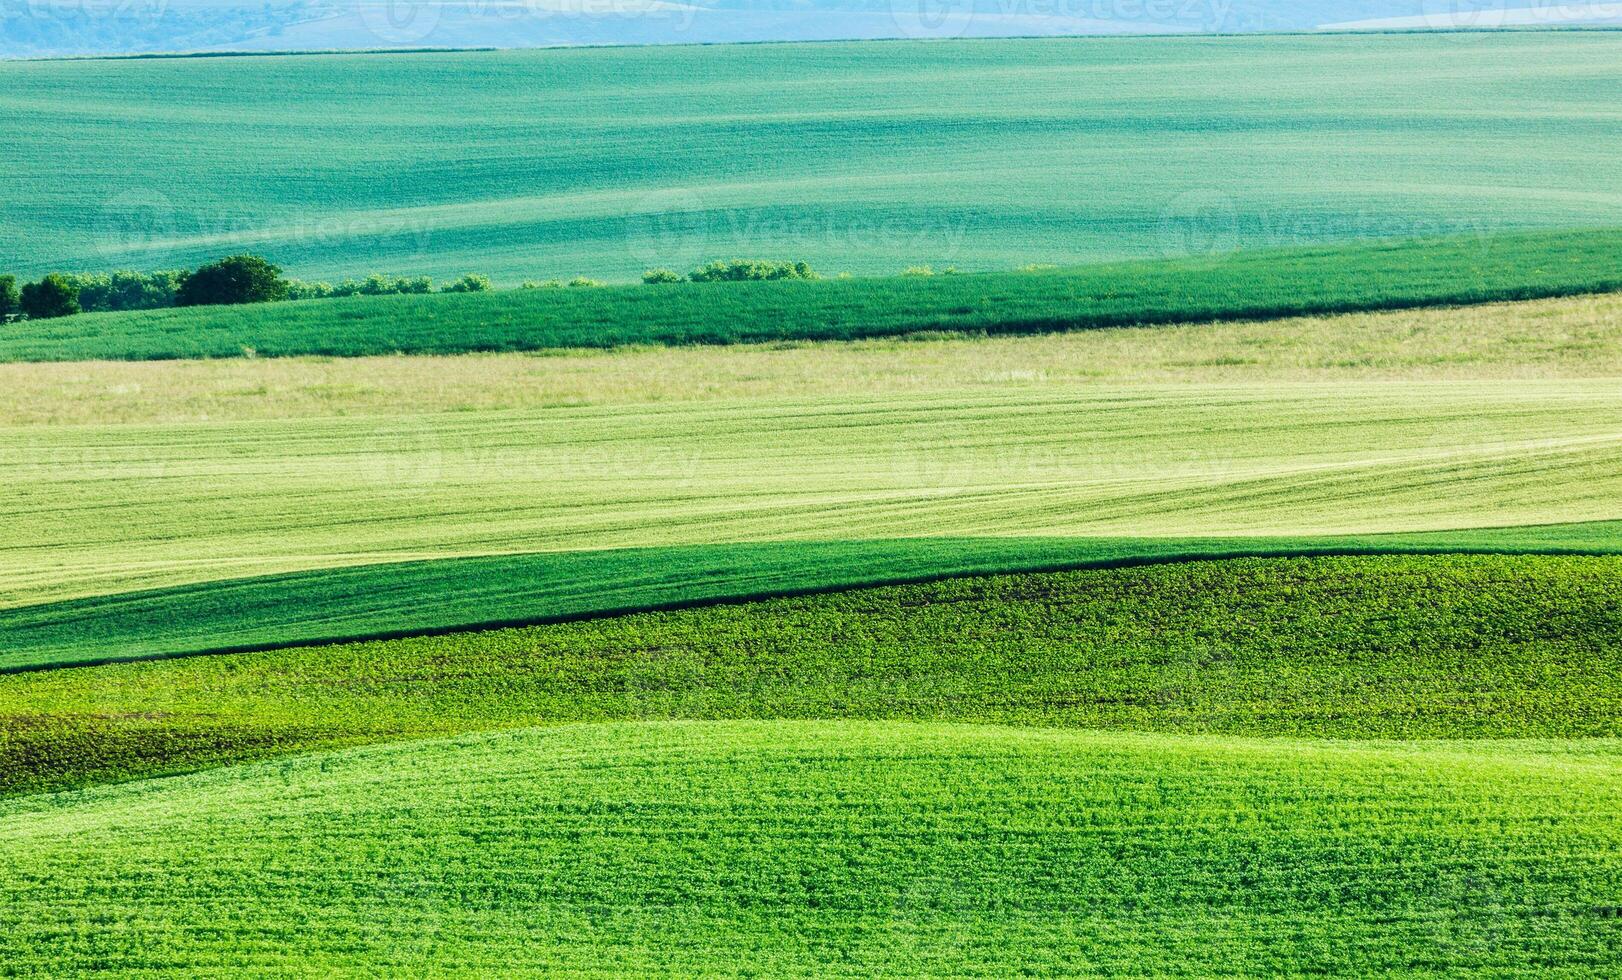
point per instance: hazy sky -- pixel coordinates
(51, 27)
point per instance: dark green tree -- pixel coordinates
(234, 280)
(51, 297)
(11, 303)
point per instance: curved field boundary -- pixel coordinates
(779, 847)
(1355, 647)
(423, 598)
(1251, 285)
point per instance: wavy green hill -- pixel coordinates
(1379, 646)
(865, 158)
(162, 516)
(1373, 762)
(454, 594)
(828, 847)
(1241, 648)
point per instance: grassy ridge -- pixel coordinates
(1351, 647)
(860, 157)
(438, 596)
(1246, 285)
(783, 848)
(93, 510)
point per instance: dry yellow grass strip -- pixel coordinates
(1579, 337)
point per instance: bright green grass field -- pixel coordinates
(834, 848)
(450, 594)
(865, 158)
(1343, 764)
(1351, 648)
(1258, 285)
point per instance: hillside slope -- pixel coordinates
(863, 157)
(1382, 646)
(738, 848)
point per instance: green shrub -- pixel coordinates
(378, 285)
(541, 284)
(11, 304)
(919, 271)
(298, 289)
(581, 282)
(745, 270)
(655, 276)
(51, 297)
(470, 283)
(232, 281)
(122, 291)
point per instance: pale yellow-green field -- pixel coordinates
(124, 476)
(92, 509)
(1579, 337)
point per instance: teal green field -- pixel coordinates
(861, 158)
(1237, 593)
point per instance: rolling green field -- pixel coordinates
(1245, 602)
(1382, 646)
(1263, 284)
(660, 479)
(451, 594)
(866, 158)
(835, 848)
(1397, 751)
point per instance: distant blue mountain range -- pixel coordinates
(36, 28)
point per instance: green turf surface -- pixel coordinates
(1352, 647)
(860, 157)
(95, 510)
(1246, 285)
(855, 848)
(1383, 755)
(436, 596)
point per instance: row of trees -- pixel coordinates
(239, 279)
(231, 281)
(250, 279)
(52, 296)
